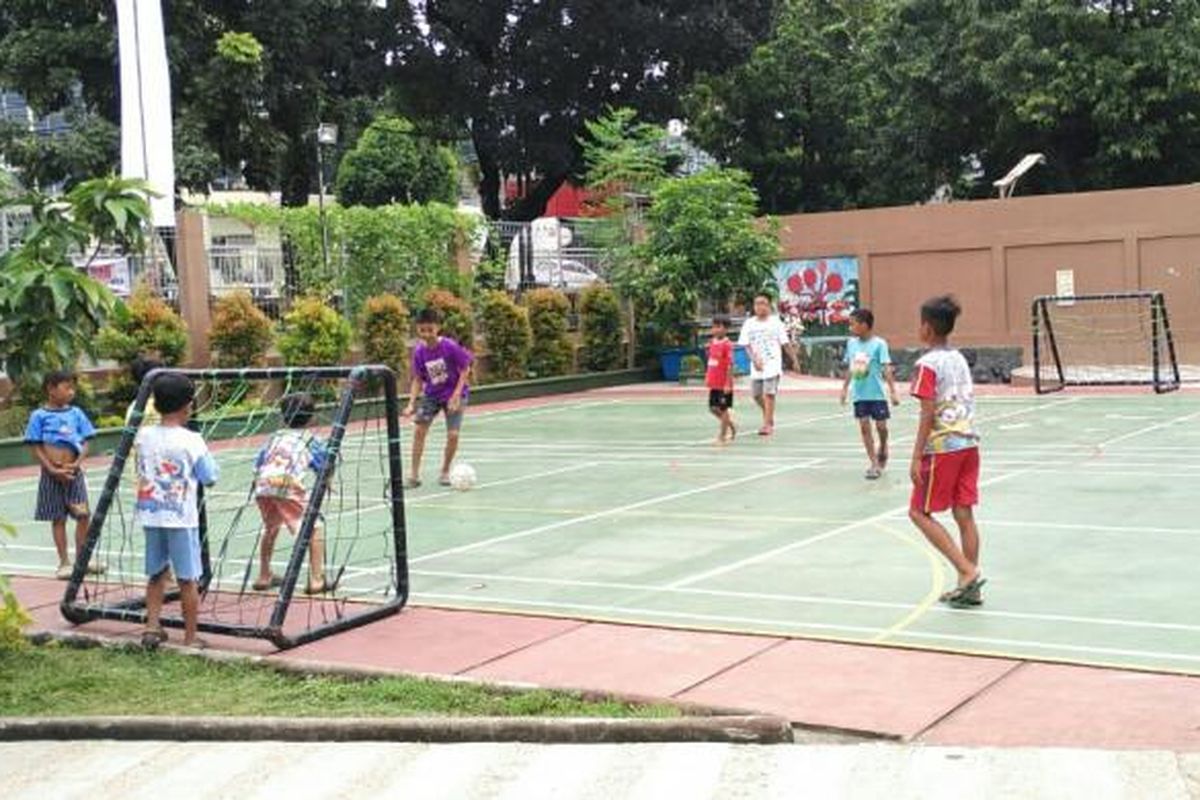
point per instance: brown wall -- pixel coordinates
(996, 255)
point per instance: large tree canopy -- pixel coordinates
(523, 76)
(866, 102)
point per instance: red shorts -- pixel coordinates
(281, 511)
(948, 480)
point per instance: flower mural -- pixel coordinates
(818, 294)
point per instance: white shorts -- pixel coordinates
(767, 386)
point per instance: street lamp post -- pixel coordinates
(327, 134)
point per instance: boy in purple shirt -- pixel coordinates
(440, 369)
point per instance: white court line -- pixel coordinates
(801, 599)
(820, 537)
(505, 482)
(768, 624)
(727, 568)
(1147, 429)
(611, 512)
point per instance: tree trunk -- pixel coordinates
(489, 169)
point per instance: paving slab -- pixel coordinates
(882, 690)
(652, 662)
(1080, 707)
(433, 640)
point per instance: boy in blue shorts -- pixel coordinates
(58, 435)
(172, 462)
(868, 366)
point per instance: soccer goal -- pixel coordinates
(352, 510)
(1121, 339)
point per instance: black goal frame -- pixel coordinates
(1160, 333)
(134, 610)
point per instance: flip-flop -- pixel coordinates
(152, 639)
(310, 588)
(198, 644)
(412, 483)
(274, 583)
(968, 595)
(873, 474)
(444, 480)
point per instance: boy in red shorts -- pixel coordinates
(945, 462)
(719, 379)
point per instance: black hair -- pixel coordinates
(55, 377)
(429, 316)
(721, 320)
(173, 392)
(863, 315)
(142, 366)
(941, 313)
(764, 296)
(297, 409)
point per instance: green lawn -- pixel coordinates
(57, 680)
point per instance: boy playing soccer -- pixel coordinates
(171, 462)
(765, 336)
(868, 364)
(719, 378)
(279, 491)
(58, 434)
(440, 370)
(945, 462)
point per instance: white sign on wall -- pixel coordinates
(1064, 285)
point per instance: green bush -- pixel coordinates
(241, 334)
(392, 163)
(506, 326)
(12, 617)
(314, 335)
(383, 330)
(551, 353)
(457, 322)
(600, 324)
(144, 326)
(13, 421)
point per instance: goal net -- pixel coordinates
(344, 565)
(1119, 339)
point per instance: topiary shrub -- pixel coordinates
(144, 326)
(241, 334)
(383, 330)
(314, 335)
(457, 322)
(506, 326)
(600, 325)
(551, 353)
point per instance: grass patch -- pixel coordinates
(58, 680)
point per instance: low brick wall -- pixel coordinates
(988, 364)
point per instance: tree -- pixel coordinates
(704, 243)
(391, 163)
(524, 75)
(52, 310)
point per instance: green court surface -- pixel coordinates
(617, 506)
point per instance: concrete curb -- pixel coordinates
(736, 730)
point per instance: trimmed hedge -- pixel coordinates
(509, 337)
(552, 353)
(600, 325)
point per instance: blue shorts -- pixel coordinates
(877, 410)
(177, 547)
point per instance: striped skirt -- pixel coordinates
(57, 500)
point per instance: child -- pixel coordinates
(869, 364)
(440, 369)
(719, 379)
(279, 489)
(57, 435)
(945, 462)
(138, 370)
(764, 335)
(171, 462)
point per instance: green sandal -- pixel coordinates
(969, 595)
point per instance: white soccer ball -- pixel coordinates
(462, 477)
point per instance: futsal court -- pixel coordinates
(616, 505)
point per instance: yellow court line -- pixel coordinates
(936, 584)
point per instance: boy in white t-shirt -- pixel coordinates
(172, 462)
(765, 337)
